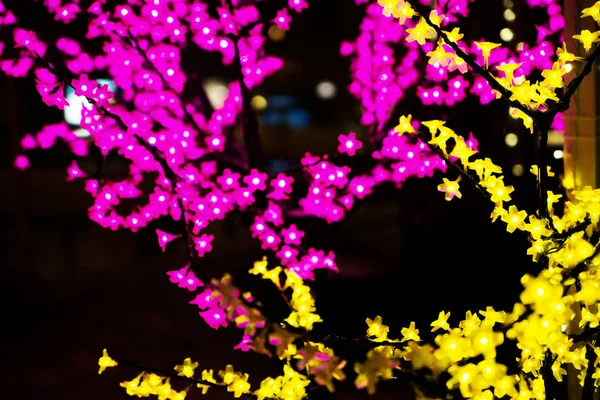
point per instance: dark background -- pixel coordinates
(70, 288)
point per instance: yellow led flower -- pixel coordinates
(454, 36)
(228, 374)
(593, 11)
(376, 330)
(187, 368)
(470, 323)
(587, 38)
(404, 12)
(239, 385)
(509, 70)
(440, 56)
(420, 33)
(486, 48)
(514, 219)
(207, 376)
(410, 333)
(462, 151)
(441, 322)
(451, 188)
(260, 267)
(537, 227)
(132, 386)
(554, 77)
(273, 276)
(106, 362)
(564, 56)
(404, 126)
(499, 192)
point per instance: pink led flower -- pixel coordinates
(102, 95)
(22, 162)
(177, 276)
(28, 142)
(229, 180)
(205, 300)
(270, 240)
(245, 344)
(298, 5)
(282, 187)
(190, 282)
(214, 317)
(84, 86)
(349, 144)
(164, 238)
(74, 172)
(287, 254)
(273, 214)
(292, 235)
(283, 19)
(203, 244)
(361, 186)
(256, 180)
(259, 227)
(67, 13)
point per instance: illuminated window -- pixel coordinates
(72, 112)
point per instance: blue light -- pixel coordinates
(298, 118)
(278, 165)
(281, 101)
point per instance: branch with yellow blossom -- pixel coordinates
(424, 12)
(437, 150)
(565, 100)
(185, 374)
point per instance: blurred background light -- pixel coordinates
(72, 112)
(217, 91)
(511, 140)
(326, 90)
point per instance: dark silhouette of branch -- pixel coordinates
(135, 44)
(484, 73)
(437, 150)
(588, 384)
(543, 211)
(362, 342)
(250, 126)
(565, 101)
(172, 375)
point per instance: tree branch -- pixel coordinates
(174, 376)
(484, 73)
(588, 383)
(454, 166)
(135, 44)
(565, 100)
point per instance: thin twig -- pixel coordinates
(169, 172)
(165, 374)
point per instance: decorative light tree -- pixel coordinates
(200, 174)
